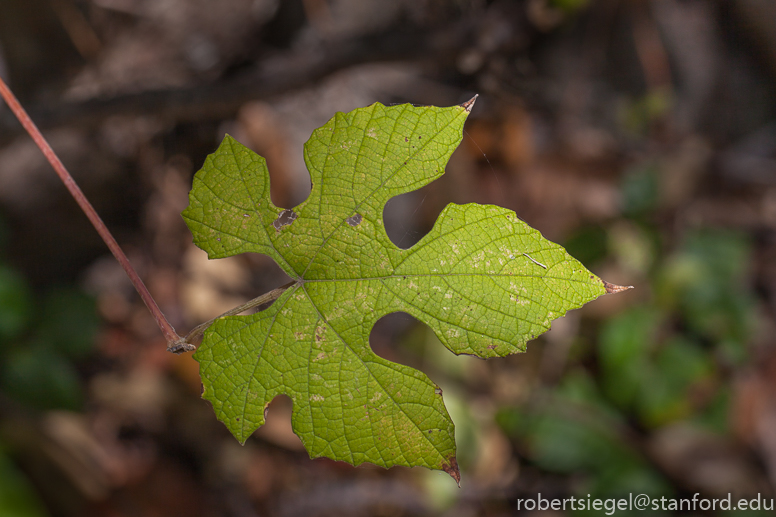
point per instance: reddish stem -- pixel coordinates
(174, 341)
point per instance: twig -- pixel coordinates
(175, 343)
(172, 337)
(197, 332)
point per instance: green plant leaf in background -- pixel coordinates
(16, 307)
(38, 368)
(17, 498)
(482, 280)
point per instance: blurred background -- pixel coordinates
(640, 134)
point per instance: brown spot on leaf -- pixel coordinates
(491, 347)
(612, 288)
(451, 467)
(285, 218)
(354, 220)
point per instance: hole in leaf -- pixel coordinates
(277, 426)
(266, 275)
(406, 218)
(392, 338)
(285, 218)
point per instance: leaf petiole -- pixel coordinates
(186, 344)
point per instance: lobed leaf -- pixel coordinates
(482, 279)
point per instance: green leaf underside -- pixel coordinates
(482, 279)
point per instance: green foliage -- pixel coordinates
(41, 379)
(643, 374)
(587, 244)
(578, 432)
(16, 496)
(641, 191)
(482, 280)
(570, 6)
(69, 323)
(639, 114)
(39, 343)
(15, 304)
(38, 350)
(706, 281)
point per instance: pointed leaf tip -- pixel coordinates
(613, 288)
(451, 467)
(468, 105)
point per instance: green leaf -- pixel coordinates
(69, 322)
(17, 499)
(41, 378)
(482, 279)
(15, 304)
